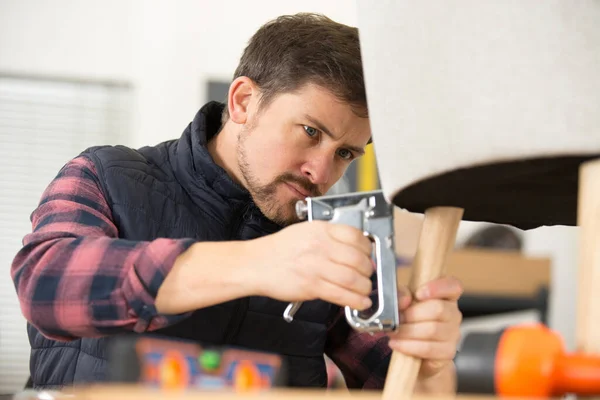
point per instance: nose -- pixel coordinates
(319, 169)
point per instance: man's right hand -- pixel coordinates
(314, 260)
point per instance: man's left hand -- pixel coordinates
(430, 325)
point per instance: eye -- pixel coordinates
(310, 131)
(345, 154)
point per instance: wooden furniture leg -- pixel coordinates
(436, 240)
(588, 293)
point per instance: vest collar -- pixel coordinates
(194, 165)
(196, 169)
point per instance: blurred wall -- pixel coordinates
(166, 49)
(67, 38)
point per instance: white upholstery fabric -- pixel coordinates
(461, 84)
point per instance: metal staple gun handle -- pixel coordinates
(373, 215)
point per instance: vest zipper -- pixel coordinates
(240, 306)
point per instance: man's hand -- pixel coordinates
(304, 261)
(430, 326)
(313, 260)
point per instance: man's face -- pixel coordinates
(299, 145)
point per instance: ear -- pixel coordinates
(241, 93)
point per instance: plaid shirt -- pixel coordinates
(76, 278)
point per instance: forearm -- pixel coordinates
(208, 273)
(444, 382)
(72, 287)
(86, 287)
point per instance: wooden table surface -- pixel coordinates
(138, 393)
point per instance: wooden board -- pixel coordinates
(495, 273)
(588, 302)
(136, 393)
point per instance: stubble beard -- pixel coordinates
(264, 196)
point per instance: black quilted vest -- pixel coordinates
(175, 190)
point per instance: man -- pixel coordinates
(197, 237)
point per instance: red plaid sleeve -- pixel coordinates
(75, 278)
(362, 358)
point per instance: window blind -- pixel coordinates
(43, 124)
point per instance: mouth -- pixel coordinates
(297, 191)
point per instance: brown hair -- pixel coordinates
(293, 50)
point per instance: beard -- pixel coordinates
(282, 213)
